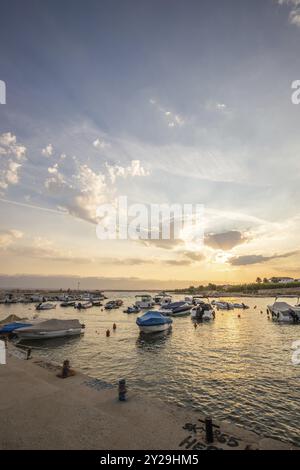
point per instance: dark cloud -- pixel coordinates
(165, 244)
(256, 259)
(225, 240)
(179, 262)
(193, 255)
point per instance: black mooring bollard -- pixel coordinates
(209, 431)
(122, 390)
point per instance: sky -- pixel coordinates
(185, 102)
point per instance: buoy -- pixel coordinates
(107, 333)
(239, 316)
(114, 326)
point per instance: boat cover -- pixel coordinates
(282, 306)
(53, 325)
(153, 318)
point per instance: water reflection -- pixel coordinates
(151, 341)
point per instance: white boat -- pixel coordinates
(283, 312)
(223, 305)
(83, 305)
(203, 312)
(166, 300)
(176, 309)
(153, 322)
(51, 329)
(241, 305)
(144, 301)
(45, 306)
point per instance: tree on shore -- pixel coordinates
(258, 280)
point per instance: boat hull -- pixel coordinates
(155, 328)
(49, 334)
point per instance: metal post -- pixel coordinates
(209, 431)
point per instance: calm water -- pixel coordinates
(234, 369)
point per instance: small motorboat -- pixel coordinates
(144, 301)
(157, 298)
(165, 301)
(153, 322)
(203, 312)
(68, 303)
(176, 309)
(51, 329)
(223, 305)
(97, 303)
(83, 305)
(241, 305)
(45, 306)
(111, 305)
(283, 312)
(132, 309)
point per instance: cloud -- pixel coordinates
(100, 144)
(38, 248)
(257, 259)
(12, 156)
(194, 256)
(171, 119)
(294, 16)
(48, 150)
(177, 262)
(7, 237)
(226, 240)
(86, 189)
(134, 169)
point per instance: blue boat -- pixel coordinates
(153, 322)
(10, 327)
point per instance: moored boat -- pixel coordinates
(144, 301)
(111, 305)
(241, 305)
(203, 312)
(51, 329)
(283, 312)
(223, 305)
(153, 322)
(68, 303)
(83, 305)
(45, 306)
(176, 309)
(132, 309)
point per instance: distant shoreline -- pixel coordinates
(263, 293)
